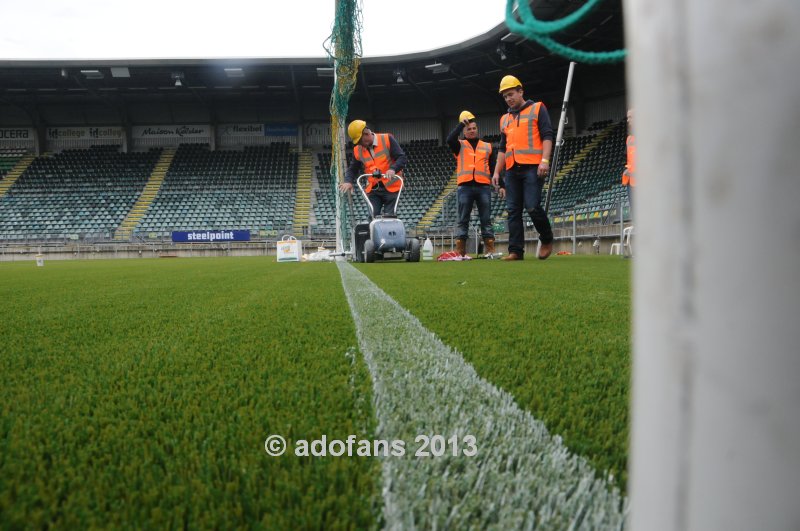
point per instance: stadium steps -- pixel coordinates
(149, 192)
(582, 154)
(428, 218)
(15, 173)
(312, 214)
(302, 207)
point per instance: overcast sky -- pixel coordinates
(138, 29)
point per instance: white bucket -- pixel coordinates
(427, 249)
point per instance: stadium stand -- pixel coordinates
(80, 194)
(252, 189)
(593, 187)
(324, 197)
(76, 194)
(429, 169)
(147, 196)
(13, 164)
(8, 159)
(302, 214)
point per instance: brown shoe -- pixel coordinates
(512, 256)
(488, 246)
(461, 247)
(545, 250)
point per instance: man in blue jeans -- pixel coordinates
(526, 141)
(473, 157)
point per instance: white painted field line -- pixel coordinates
(521, 478)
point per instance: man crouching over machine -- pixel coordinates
(381, 156)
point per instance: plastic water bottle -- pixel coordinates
(427, 249)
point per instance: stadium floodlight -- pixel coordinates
(501, 51)
(324, 72)
(120, 71)
(234, 72)
(511, 37)
(92, 74)
(438, 68)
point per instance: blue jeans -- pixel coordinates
(524, 190)
(467, 196)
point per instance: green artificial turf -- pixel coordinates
(139, 393)
(555, 334)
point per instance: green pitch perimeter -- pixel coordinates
(140, 393)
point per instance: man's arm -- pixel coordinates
(498, 167)
(350, 175)
(353, 171)
(545, 125)
(397, 155)
(492, 157)
(452, 139)
(546, 134)
(500, 163)
(494, 160)
(544, 165)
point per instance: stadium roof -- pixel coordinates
(444, 80)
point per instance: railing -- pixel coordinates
(147, 249)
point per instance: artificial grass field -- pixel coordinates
(555, 334)
(139, 393)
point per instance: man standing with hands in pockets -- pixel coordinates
(526, 141)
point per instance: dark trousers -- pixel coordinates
(467, 196)
(524, 190)
(379, 198)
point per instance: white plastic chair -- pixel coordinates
(627, 248)
(626, 240)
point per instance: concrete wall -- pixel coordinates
(111, 251)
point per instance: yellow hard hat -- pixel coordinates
(465, 115)
(509, 82)
(355, 129)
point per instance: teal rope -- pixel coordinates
(538, 30)
(545, 27)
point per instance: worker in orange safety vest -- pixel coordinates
(474, 179)
(526, 141)
(381, 156)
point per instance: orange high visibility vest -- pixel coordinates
(523, 143)
(379, 159)
(629, 175)
(473, 164)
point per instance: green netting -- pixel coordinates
(540, 31)
(344, 49)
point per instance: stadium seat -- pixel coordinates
(83, 192)
(226, 189)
